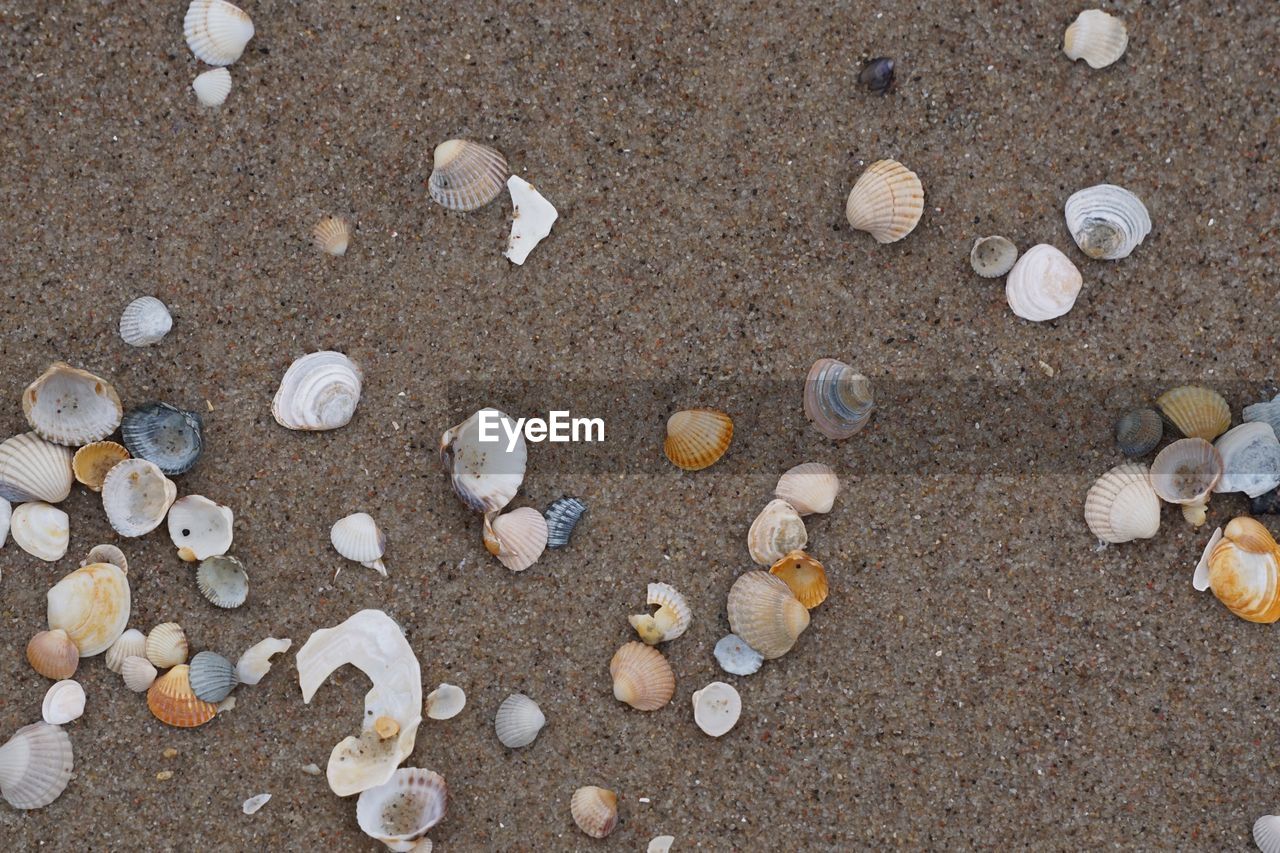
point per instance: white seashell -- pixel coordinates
(132, 643)
(1185, 473)
(92, 605)
(886, 201)
(486, 474)
(318, 392)
(146, 320)
(399, 812)
(373, 643)
(661, 844)
(358, 538)
(32, 469)
(63, 703)
(1043, 284)
(35, 766)
(516, 538)
(1267, 412)
(1096, 37)
(6, 514)
(466, 175)
(1121, 505)
(1200, 578)
(136, 495)
(1266, 833)
(809, 487)
(531, 219)
(69, 406)
(518, 721)
(777, 531)
(41, 530)
(671, 620)
(332, 235)
(216, 31)
(445, 702)
(106, 554)
(138, 673)
(257, 801)
(1250, 459)
(1107, 222)
(167, 645)
(256, 662)
(223, 581)
(199, 528)
(716, 708)
(211, 88)
(992, 257)
(736, 657)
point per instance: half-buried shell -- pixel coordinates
(92, 462)
(466, 175)
(837, 399)
(1107, 222)
(697, 438)
(223, 581)
(170, 437)
(642, 677)
(70, 406)
(32, 469)
(199, 527)
(92, 605)
(1196, 412)
(777, 530)
(332, 236)
(173, 703)
(516, 538)
(1121, 505)
(886, 202)
(766, 614)
(136, 495)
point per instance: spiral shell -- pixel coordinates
(319, 391)
(200, 528)
(466, 175)
(766, 614)
(516, 538)
(837, 399)
(1043, 284)
(485, 474)
(400, 811)
(992, 257)
(518, 721)
(697, 438)
(70, 406)
(810, 487)
(32, 469)
(642, 677)
(92, 605)
(146, 320)
(223, 581)
(1096, 37)
(92, 462)
(63, 703)
(41, 530)
(53, 654)
(165, 435)
(594, 810)
(138, 673)
(1185, 473)
(1122, 506)
(173, 703)
(1139, 432)
(804, 576)
(167, 645)
(357, 537)
(136, 495)
(132, 643)
(716, 708)
(212, 677)
(35, 766)
(332, 235)
(886, 202)
(216, 31)
(211, 88)
(1244, 571)
(1107, 222)
(777, 530)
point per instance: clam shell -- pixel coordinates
(1244, 571)
(1267, 412)
(92, 605)
(518, 721)
(69, 406)
(517, 538)
(211, 88)
(1043, 284)
(992, 257)
(485, 474)
(212, 677)
(53, 655)
(32, 469)
(223, 581)
(642, 677)
(1096, 37)
(1107, 222)
(1185, 473)
(41, 530)
(132, 643)
(173, 703)
(810, 488)
(837, 399)
(256, 661)
(1139, 432)
(63, 703)
(445, 702)
(562, 517)
(167, 645)
(1250, 459)
(199, 528)
(697, 438)
(777, 530)
(357, 537)
(1121, 505)
(216, 31)
(92, 462)
(170, 437)
(804, 576)
(594, 810)
(401, 810)
(146, 320)
(1196, 412)
(766, 614)
(138, 673)
(332, 236)
(736, 657)
(466, 175)
(35, 766)
(1266, 833)
(136, 495)
(319, 391)
(886, 201)
(671, 620)
(106, 554)
(716, 708)
(531, 219)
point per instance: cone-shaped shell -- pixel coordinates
(518, 721)
(765, 614)
(466, 175)
(167, 645)
(41, 530)
(136, 495)
(32, 469)
(1267, 412)
(1139, 432)
(992, 257)
(138, 673)
(697, 438)
(886, 201)
(92, 462)
(594, 810)
(400, 811)
(1266, 833)
(837, 399)
(562, 517)
(132, 643)
(1096, 37)
(446, 702)
(1250, 459)
(736, 657)
(1043, 284)
(211, 88)
(777, 531)
(146, 320)
(1244, 571)
(1196, 412)
(516, 538)
(63, 703)
(53, 654)
(486, 474)
(216, 31)
(35, 766)
(173, 703)
(199, 527)
(357, 537)
(810, 488)
(1107, 222)
(1121, 505)
(223, 581)
(1185, 473)
(70, 406)
(671, 620)
(716, 708)
(319, 391)
(642, 677)
(106, 554)
(332, 236)
(804, 576)
(170, 437)
(92, 605)
(212, 677)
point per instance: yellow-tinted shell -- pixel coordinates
(765, 613)
(92, 462)
(886, 201)
(804, 576)
(92, 605)
(697, 438)
(1244, 571)
(167, 645)
(173, 703)
(332, 236)
(642, 677)
(53, 654)
(1196, 412)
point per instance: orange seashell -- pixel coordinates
(92, 462)
(1244, 571)
(642, 677)
(805, 576)
(697, 438)
(53, 654)
(173, 703)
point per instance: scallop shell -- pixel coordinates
(595, 810)
(92, 605)
(32, 469)
(256, 661)
(211, 88)
(518, 721)
(92, 462)
(1107, 222)
(400, 811)
(35, 766)
(136, 495)
(466, 175)
(319, 391)
(992, 257)
(1244, 571)
(810, 488)
(765, 614)
(332, 236)
(1096, 37)
(63, 703)
(53, 655)
(716, 708)
(138, 673)
(671, 620)
(486, 474)
(697, 438)
(1266, 833)
(804, 576)
(1267, 412)
(837, 399)
(1196, 412)
(777, 530)
(517, 538)
(1043, 284)
(173, 703)
(531, 219)
(216, 31)
(736, 657)
(357, 537)
(199, 528)
(1185, 473)
(106, 554)
(642, 677)
(41, 530)
(132, 643)
(445, 702)
(69, 406)
(562, 517)
(223, 581)
(1139, 432)
(170, 437)
(212, 677)
(1121, 505)
(886, 201)
(167, 645)
(146, 320)
(1250, 459)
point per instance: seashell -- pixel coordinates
(132, 643)
(358, 538)
(212, 677)
(41, 530)
(1107, 222)
(809, 487)
(1043, 284)
(1200, 579)
(671, 620)
(1250, 459)
(386, 728)
(660, 844)
(92, 462)
(777, 531)
(1096, 37)
(32, 469)
(223, 581)
(256, 662)
(136, 495)
(562, 517)
(1139, 432)
(199, 528)
(332, 236)
(1266, 833)
(6, 515)
(53, 655)
(765, 614)
(642, 677)
(35, 766)
(886, 201)
(211, 88)
(146, 320)
(69, 406)
(255, 803)
(804, 576)
(216, 31)
(697, 438)
(1196, 412)
(716, 708)
(837, 399)
(400, 811)
(173, 703)
(63, 703)
(595, 810)
(167, 645)
(992, 257)
(138, 673)
(486, 473)
(531, 219)
(170, 437)
(1244, 571)
(106, 554)
(1267, 412)
(466, 175)
(517, 538)
(518, 721)
(1185, 473)
(1121, 505)
(445, 702)
(319, 391)
(92, 605)
(736, 657)
(877, 76)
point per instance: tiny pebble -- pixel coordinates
(164, 775)
(311, 770)
(170, 752)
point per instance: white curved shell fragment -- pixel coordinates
(254, 803)
(216, 31)
(1043, 284)
(531, 219)
(319, 391)
(671, 619)
(1096, 37)
(1200, 578)
(256, 662)
(661, 844)
(736, 657)
(212, 88)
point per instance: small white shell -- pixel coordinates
(357, 537)
(1096, 37)
(32, 469)
(1043, 284)
(35, 766)
(332, 235)
(1121, 505)
(223, 581)
(518, 721)
(485, 474)
(256, 662)
(777, 531)
(992, 257)
(736, 657)
(138, 673)
(146, 320)
(1107, 222)
(809, 487)
(319, 391)
(445, 702)
(106, 554)
(167, 645)
(132, 643)
(716, 708)
(216, 31)
(136, 495)
(531, 219)
(1250, 459)
(671, 620)
(516, 538)
(257, 801)
(63, 703)
(199, 528)
(41, 530)
(661, 844)
(211, 88)
(399, 812)
(70, 406)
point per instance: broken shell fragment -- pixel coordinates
(136, 496)
(357, 537)
(167, 645)
(992, 257)
(1121, 505)
(170, 437)
(400, 811)
(199, 528)
(1250, 459)
(777, 531)
(92, 462)
(1139, 432)
(6, 515)
(716, 708)
(466, 175)
(661, 843)
(35, 766)
(63, 703)
(736, 657)
(138, 673)
(642, 677)
(1244, 571)
(516, 538)
(1196, 412)
(1267, 412)
(445, 702)
(804, 576)
(212, 677)
(765, 614)
(332, 236)
(53, 655)
(41, 530)
(1185, 473)
(1096, 37)
(810, 487)
(670, 621)
(1043, 284)
(92, 605)
(1107, 222)
(255, 663)
(69, 406)
(173, 703)
(132, 643)
(486, 474)
(697, 438)
(562, 517)
(518, 721)
(216, 31)
(146, 320)
(595, 810)
(32, 469)
(106, 554)
(211, 88)
(255, 803)
(877, 75)
(318, 392)
(837, 399)
(886, 202)
(531, 219)
(223, 581)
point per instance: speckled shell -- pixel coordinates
(173, 703)
(1139, 432)
(1250, 459)
(136, 495)
(400, 811)
(516, 538)
(200, 528)
(138, 673)
(1244, 571)
(216, 31)
(319, 391)
(165, 435)
(804, 576)
(992, 257)
(466, 175)
(837, 399)
(1121, 505)
(518, 721)
(642, 677)
(146, 320)
(1196, 412)
(63, 703)
(777, 530)
(32, 469)
(92, 605)
(211, 88)
(70, 406)
(594, 810)
(1043, 284)
(357, 537)
(1185, 473)
(736, 657)
(53, 654)
(223, 581)
(1096, 37)
(167, 645)
(332, 236)
(92, 462)
(697, 438)
(886, 202)
(716, 708)
(212, 677)
(1267, 412)
(562, 517)
(41, 530)
(765, 614)
(1107, 222)
(132, 643)
(810, 488)
(485, 475)
(35, 766)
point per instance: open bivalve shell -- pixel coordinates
(199, 528)
(1107, 222)
(223, 581)
(531, 219)
(41, 530)
(716, 708)
(804, 576)
(173, 703)
(1185, 473)
(212, 677)
(256, 661)
(53, 655)
(697, 438)
(594, 810)
(1096, 37)
(146, 320)
(992, 257)
(736, 657)
(1139, 432)
(1244, 570)
(35, 766)
(1267, 412)
(132, 643)
(92, 605)
(138, 673)
(167, 645)
(516, 538)
(319, 391)
(216, 31)
(92, 462)
(1250, 459)
(837, 399)
(642, 677)
(777, 531)
(63, 703)
(1121, 505)
(810, 488)
(1196, 412)
(671, 620)
(136, 496)
(1043, 284)
(466, 175)
(765, 614)
(170, 437)
(70, 406)
(332, 236)
(32, 469)
(486, 474)
(357, 537)
(400, 811)
(445, 702)
(886, 201)
(518, 721)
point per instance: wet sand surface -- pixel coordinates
(981, 676)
